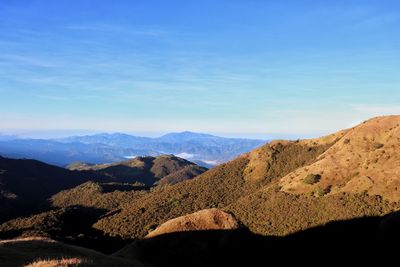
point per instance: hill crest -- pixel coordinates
(365, 159)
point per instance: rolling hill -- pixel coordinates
(25, 185)
(165, 169)
(255, 187)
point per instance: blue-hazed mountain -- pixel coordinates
(61, 154)
(115, 139)
(5, 137)
(203, 149)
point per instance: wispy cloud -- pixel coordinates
(53, 97)
(118, 29)
(22, 59)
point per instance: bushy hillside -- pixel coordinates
(217, 188)
(107, 196)
(146, 170)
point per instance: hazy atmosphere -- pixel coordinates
(234, 68)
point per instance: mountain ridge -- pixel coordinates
(206, 150)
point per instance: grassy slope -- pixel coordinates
(366, 159)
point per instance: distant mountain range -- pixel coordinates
(203, 149)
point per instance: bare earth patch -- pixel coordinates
(209, 219)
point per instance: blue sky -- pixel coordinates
(233, 67)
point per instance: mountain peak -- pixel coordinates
(187, 135)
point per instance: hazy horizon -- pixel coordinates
(52, 133)
(238, 68)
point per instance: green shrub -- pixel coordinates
(312, 178)
(322, 191)
(378, 145)
(151, 227)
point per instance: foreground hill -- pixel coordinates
(363, 241)
(40, 252)
(358, 241)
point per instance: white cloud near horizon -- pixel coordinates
(287, 122)
(373, 110)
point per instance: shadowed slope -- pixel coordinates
(359, 241)
(146, 170)
(20, 252)
(72, 225)
(26, 184)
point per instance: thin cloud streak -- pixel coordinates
(118, 29)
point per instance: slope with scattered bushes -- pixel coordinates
(366, 159)
(284, 177)
(217, 188)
